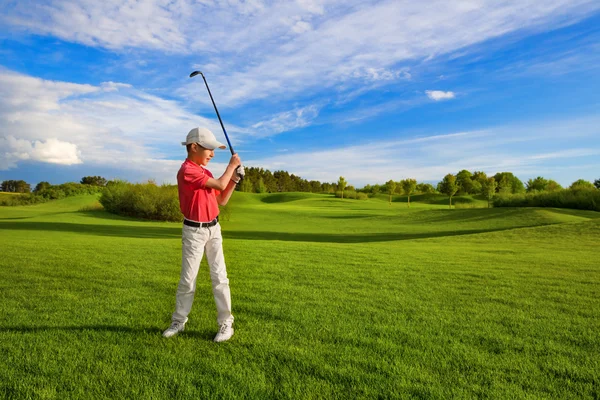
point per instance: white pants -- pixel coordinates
(195, 241)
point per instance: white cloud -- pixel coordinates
(111, 124)
(349, 41)
(51, 151)
(286, 121)
(109, 24)
(301, 27)
(341, 42)
(313, 6)
(438, 95)
(114, 86)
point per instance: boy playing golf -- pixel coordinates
(200, 195)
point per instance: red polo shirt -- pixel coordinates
(196, 201)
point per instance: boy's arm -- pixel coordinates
(224, 196)
(224, 181)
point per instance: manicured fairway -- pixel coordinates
(333, 299)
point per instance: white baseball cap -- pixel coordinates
(204, 138)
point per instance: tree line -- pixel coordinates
(21, 186)
(259, 180)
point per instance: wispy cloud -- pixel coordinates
(291, 47)
(286, 121)
(340, 48)
(438, 95)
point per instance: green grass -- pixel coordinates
(333, 299)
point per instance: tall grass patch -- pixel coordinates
(580, 199)
(142, 200)
(351, 194)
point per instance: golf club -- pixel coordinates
(240, 169)
(193, 74)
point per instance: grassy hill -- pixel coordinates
(333, 298)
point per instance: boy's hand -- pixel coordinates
(234, 161)
(239, 173)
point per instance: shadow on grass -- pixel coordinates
(107, 328)
(154, 330)
(155, 232)
(175, 232)
(167, 232)
(348, 238)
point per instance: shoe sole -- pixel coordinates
(174, 334)
(224, 340)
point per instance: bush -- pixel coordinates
(142, 200)
(21, 200)
(580, 199)
(352, 194)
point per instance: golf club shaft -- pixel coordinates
(216, 110)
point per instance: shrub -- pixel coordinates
(46, 192)
(581, 199)
(142, 200)
(20, 200)
(351, 194)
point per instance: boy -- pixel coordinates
(199, 196)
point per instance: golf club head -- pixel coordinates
(193, 74)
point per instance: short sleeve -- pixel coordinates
(196, 177)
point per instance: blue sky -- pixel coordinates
(370, 91)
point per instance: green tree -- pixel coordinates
(581, 184)
(479, 176)
(448, 186)
(409, 186)
(508, 183)
(15, 186)
(425, 188)
(327, 187)
(504, 186)
(93, 180)
(391, 187)
(341, 185)
(553, 186)
(283, 181)
(463, 180)
(246, 185)
(538, 184)
(488, 189)
(315, 186)
(41, 186)
(476, 187)
(597, 183)
(261, 188)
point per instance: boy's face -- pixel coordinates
(200, 155)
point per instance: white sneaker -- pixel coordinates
(174, 329)
(225, 332)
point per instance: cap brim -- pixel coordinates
(211, 145)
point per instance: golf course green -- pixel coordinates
(333, 298)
